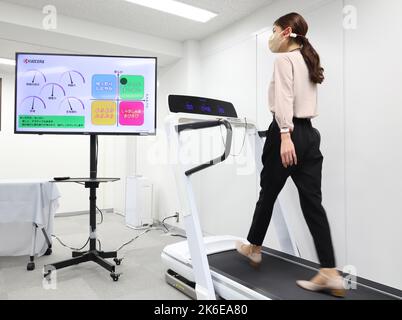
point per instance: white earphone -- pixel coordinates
(293, 35)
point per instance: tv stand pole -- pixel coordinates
(92, 254)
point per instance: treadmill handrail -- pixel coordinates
(209, 124)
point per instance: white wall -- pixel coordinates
(152, 152)
(237, 67)
(359, 114)
(373, 100)
(48, 156)
(25, 26)
(229, 75)
(30, 156)
(327, 36)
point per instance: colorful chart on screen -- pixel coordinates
(79, 94)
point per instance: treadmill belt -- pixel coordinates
(277, 275)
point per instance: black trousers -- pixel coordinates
(307, 178)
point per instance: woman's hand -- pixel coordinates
(288, 152)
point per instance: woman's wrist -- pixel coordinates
(285, 136)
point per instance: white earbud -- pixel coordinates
(293, 35)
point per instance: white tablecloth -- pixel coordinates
(22, 203)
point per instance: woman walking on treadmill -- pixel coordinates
(292, 149)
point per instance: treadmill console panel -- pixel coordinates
(199, 105)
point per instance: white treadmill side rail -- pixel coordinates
(196, 246)
(204, 285)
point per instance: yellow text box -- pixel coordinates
(104, 113)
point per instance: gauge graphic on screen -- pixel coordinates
(32, 105)
(53, 91)
(34, 78)
(71, 105)
(72, 78)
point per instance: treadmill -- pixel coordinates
(209, 268)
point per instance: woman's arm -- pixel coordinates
(284, 100)
(284, 93)
(288, 151)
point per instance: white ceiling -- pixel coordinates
(121, 14)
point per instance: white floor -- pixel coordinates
(142, 273)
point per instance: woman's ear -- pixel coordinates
(287, 32)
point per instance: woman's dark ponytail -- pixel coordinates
(300, 27)
(313, 61)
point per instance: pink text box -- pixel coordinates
(131, 113)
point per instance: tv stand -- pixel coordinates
(92, 254)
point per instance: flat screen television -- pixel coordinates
(85, 94)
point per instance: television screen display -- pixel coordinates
(85, 94)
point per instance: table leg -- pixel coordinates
(31, 263)
(49, 244)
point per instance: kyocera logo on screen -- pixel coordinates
(26, 61)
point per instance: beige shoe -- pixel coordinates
(249, 251)
(334, 285)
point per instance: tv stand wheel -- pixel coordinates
(115, 276)
(31, 266)
(117, 261)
